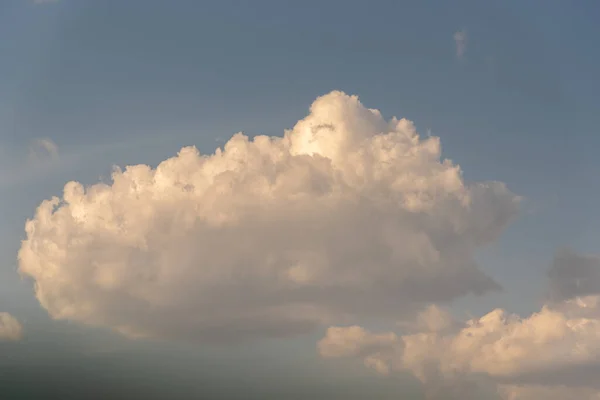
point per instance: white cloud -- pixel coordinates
(556, 350)
(347, 215)
(44, 1)
(10, 328)
(461, 40)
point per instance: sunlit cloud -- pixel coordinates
(555, 350)
(347, 215)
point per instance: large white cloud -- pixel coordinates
(346, 215)
(556, 350)
(10, 327)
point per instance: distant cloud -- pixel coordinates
(45, 1)
(347, 215)
(460, 40)
(43, 158)
(43, 150)
(40, 157)
(574, 275)
(554, 351)
(10, 328)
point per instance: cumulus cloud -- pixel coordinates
(460, 41)
(10, 328)
(347, 215)
(556, 350)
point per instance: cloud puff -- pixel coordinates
(42, 151)
(516, 358)
(10, 328)
(460, 40)
(346, 215)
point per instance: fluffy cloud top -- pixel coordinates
(346, 215)
(512, 357)
(10, 328)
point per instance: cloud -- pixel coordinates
(44, 158)
(43, 151)
(574, 275)
(461, 40)
(347, 215)
(537, 392)
(10, 328)
(44, 1)
(40, 159)
(556, 350)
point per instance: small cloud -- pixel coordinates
(10, 328)
(574, 275)
(461, 39)
(43, 150)
(44, 1)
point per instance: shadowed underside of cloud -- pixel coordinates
(574, 275)
(552, 354)
(10, 328)
(347, 215)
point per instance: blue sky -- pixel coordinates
(119, 83)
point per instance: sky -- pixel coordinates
(307, 200)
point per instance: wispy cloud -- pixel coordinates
(44, 1)
(461, 40)
(43, 157)
(43, 150)
(10, 328)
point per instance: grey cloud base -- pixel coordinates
(552, 354)
(347, 215)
